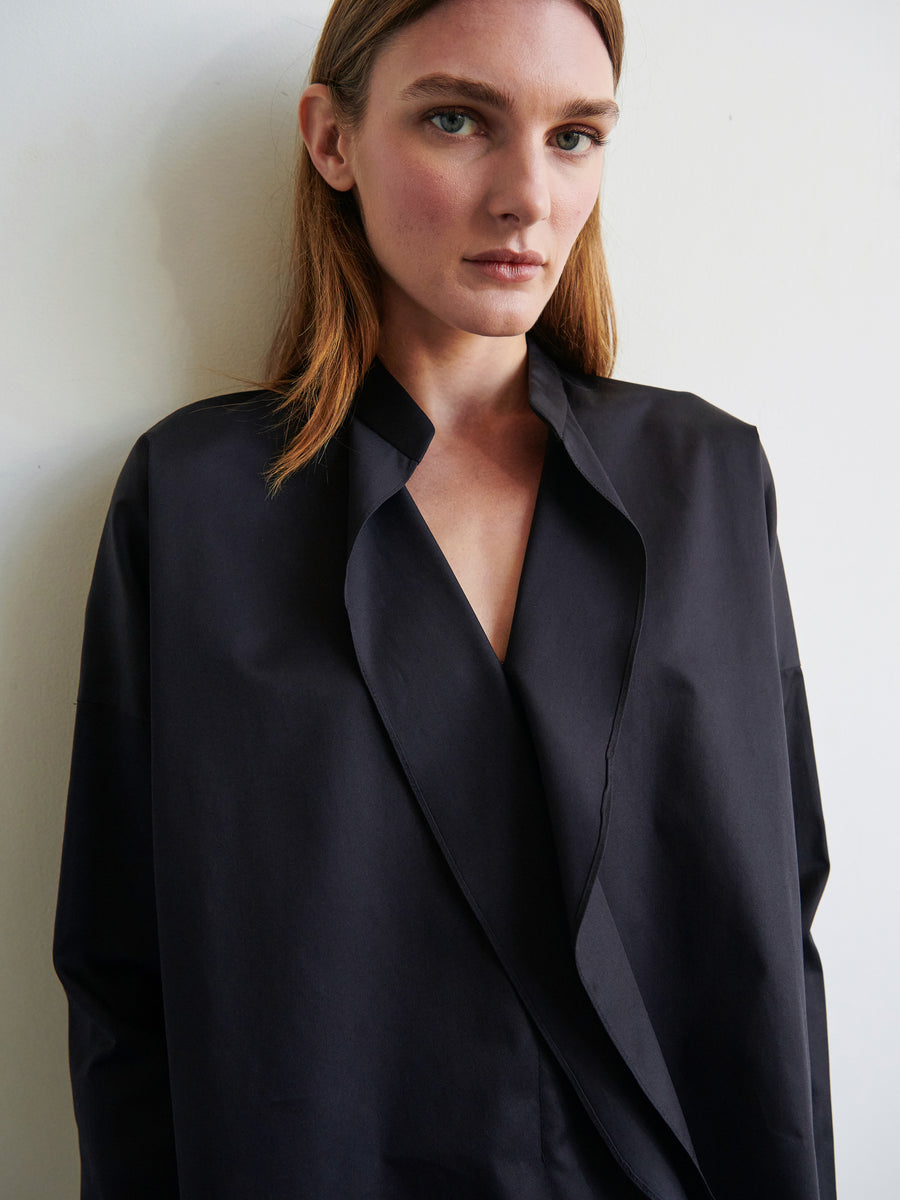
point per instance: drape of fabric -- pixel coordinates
(348, 909)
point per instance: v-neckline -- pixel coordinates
(453, 581)
(486, 746)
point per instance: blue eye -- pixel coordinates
(452, 122)
(578, 142)
(571, 139)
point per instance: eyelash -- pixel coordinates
(592, 135)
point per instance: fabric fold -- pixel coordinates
(509, 765)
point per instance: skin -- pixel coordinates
(448, 178)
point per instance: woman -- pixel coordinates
(443, 818)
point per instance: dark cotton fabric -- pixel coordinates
(351, 911)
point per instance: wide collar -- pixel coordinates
(386, 408)
(507, 761)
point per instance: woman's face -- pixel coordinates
(479, 160)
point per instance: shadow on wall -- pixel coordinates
(219, 184)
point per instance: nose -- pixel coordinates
(520, 184)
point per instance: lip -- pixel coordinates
(525, 258)
(507, 266)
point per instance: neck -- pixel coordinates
(462, 380)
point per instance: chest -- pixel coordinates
(478, 503)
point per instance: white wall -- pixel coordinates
(752, 196)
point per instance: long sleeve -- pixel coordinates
(812, 856)
(105, 948)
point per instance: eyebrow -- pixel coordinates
(437, 87)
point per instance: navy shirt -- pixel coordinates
(350, 909)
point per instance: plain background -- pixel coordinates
(751, 200)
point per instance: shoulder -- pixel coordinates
(649, 435)
(207, 448)
(673, 452)
(200, 478)
(633, 410)
(240, 424)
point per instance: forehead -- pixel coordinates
(533, 49)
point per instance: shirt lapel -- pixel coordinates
(575, 637)
(481, 746)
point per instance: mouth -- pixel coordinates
(509, 265)
(528, 258)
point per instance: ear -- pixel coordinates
(327, 145)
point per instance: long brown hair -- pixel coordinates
(328, 336)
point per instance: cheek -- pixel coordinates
(575, 209)
(410, 199)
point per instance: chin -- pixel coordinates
(503, 321)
